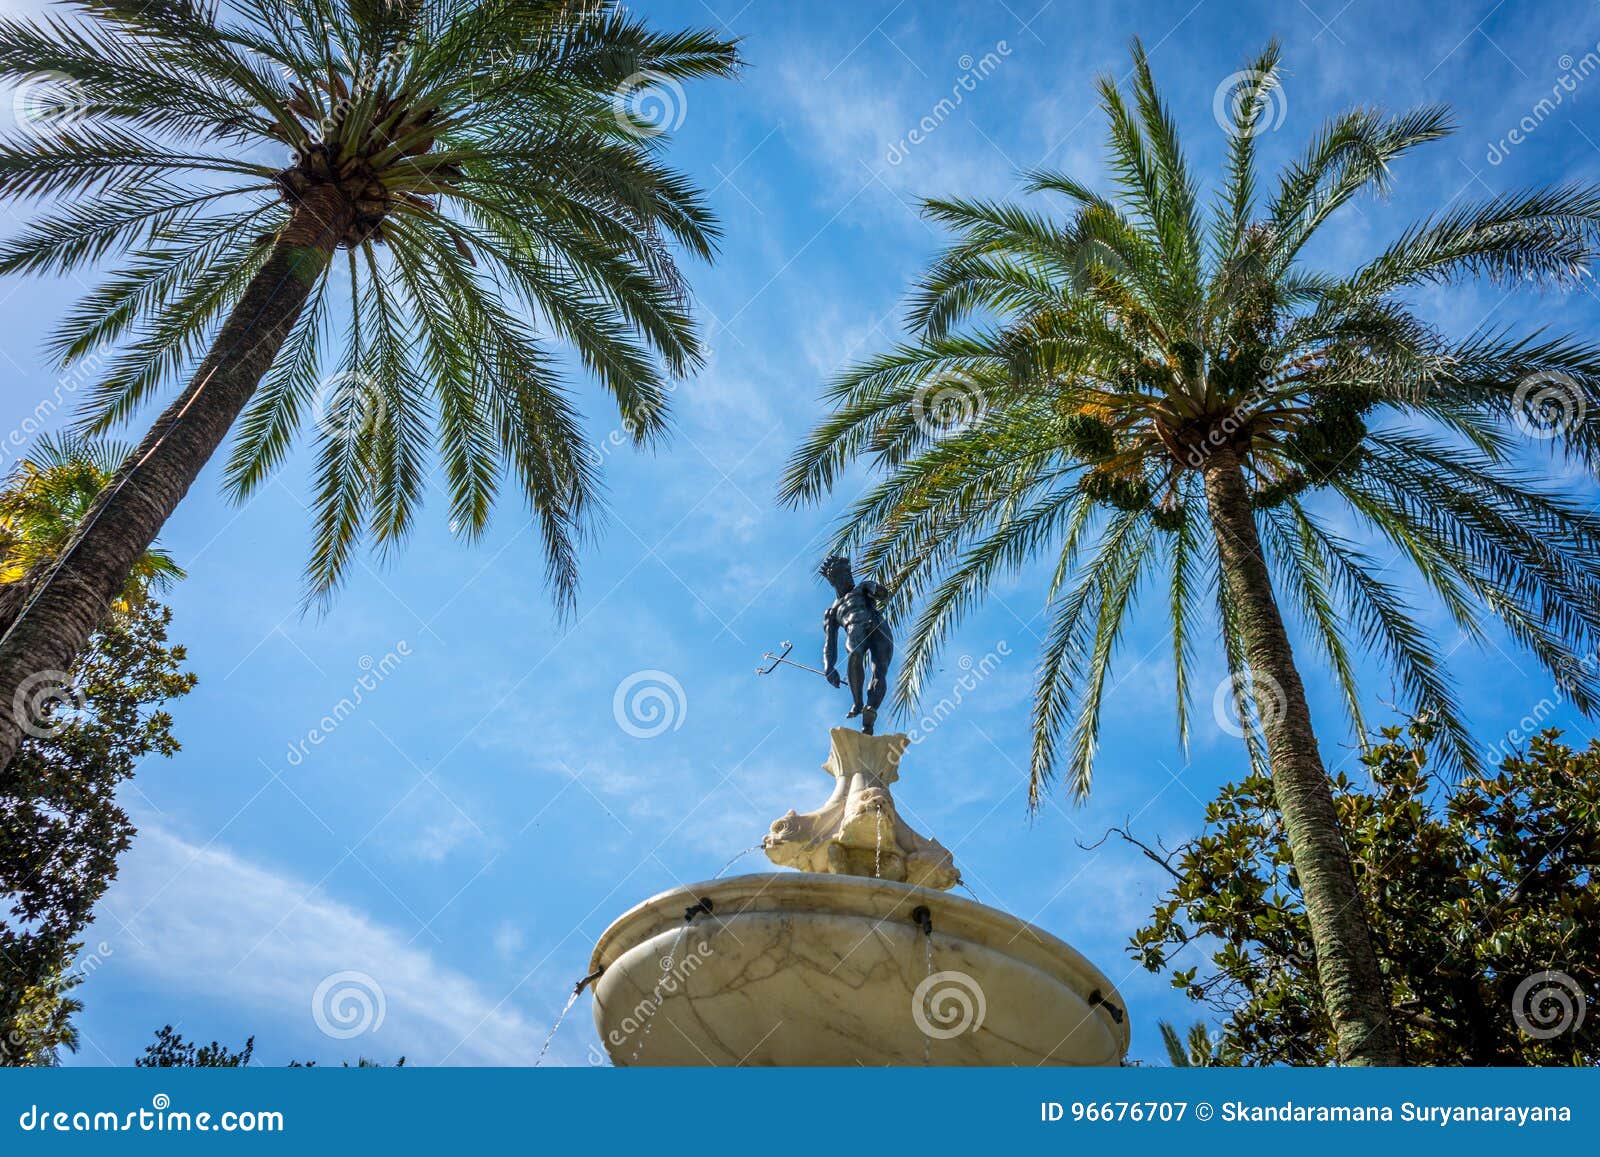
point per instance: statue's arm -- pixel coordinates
(876, 592)
(830, 641)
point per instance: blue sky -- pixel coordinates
(465, 835)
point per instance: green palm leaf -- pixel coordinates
(1121, 348)
(496, 205)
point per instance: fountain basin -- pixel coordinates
(800, 968)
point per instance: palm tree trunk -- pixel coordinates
(61, 604)
(1347, 967)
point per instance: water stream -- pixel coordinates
(658, 997)
(736, 859)
(571, 1000)
(927, 1040)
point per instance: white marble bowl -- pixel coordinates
(796, 968)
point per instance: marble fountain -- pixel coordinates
(861, 957)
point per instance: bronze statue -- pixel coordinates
(857, 611)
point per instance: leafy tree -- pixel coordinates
(361, 1063)
(1483, 895)
(170, 1051)
(1145, 392)
(385, 188)
(61, 828)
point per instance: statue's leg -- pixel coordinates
(856, 668)
(881, 647)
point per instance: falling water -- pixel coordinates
(927, 1041)
(877, 860)
(571, 1000)
(736, 859)
(672, 953)
(658, 995)
(968, 887)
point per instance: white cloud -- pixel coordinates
(509, 941)
(855, 124)
(203, 920)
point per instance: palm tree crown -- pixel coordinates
(1071, 379)
(478, 163)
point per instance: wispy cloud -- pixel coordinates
(200, 919)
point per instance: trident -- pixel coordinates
(782, 658)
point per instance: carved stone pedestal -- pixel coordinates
(859, 831)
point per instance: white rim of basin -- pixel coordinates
(813, 892)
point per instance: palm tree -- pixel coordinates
(430, 171)
(1133, 389)
(1194, 1050)
(41, 504)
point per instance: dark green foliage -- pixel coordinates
(1329, 443)
(1087, 438)
(1131, 494)
(170, 1051)
(1279, 491)
(1472, 888)
(361, 1063)
(61, 828)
